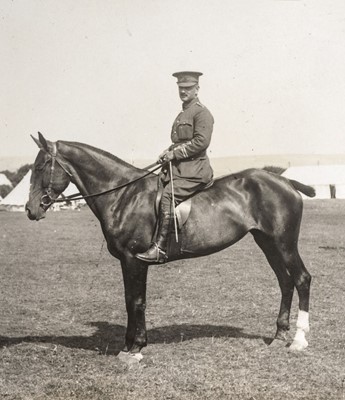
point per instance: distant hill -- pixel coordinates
(227, 165)
(221, 165)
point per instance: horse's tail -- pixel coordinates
(305, 189)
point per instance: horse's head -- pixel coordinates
(49, 179)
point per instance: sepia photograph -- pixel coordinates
(172, 200)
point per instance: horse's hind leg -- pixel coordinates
(302, 280)
(290, 270)
(285, 280)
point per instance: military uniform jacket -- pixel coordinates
(191, 135)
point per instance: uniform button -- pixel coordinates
(174, 131)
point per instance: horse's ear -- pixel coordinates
(37, 142)
(43, 142)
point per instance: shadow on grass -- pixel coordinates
(109, 338)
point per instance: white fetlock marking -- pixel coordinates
(128, 356)
(303, 320)
(300, 337)
(137, 356)
(300, 342)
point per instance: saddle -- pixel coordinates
(183, 209)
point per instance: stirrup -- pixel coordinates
(159, 255)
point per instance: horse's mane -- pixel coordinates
(274, 169)
(100, 152)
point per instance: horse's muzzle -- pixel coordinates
(32, 216)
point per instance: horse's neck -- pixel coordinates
(94, 170)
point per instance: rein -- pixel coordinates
(47, 200)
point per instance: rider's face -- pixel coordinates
(188, 93)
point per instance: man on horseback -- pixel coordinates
(191, 170)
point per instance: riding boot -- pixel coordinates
(157, 251)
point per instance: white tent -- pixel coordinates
(16, 199)
(328, 180)
(4, 180)
(71, 189)
(72, 204)
(340, 191)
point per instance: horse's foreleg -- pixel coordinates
(135, 276)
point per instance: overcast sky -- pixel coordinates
(99, 72)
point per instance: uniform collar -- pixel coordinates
(187, 105)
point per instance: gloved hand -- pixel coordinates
(162, 155)
(166, 157)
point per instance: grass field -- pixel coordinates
(209, 320)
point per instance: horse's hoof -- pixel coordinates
(298, 345)
(130, 358)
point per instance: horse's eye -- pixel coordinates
(40, 166)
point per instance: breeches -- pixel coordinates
(182, 190)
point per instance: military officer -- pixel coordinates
(191, 170)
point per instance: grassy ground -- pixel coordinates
(209, 320)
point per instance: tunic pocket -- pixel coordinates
(185, 130)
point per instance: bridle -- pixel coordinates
(47, 200)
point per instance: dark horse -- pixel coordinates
(257, 201)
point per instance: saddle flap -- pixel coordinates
(183, 209)
(182, 212)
